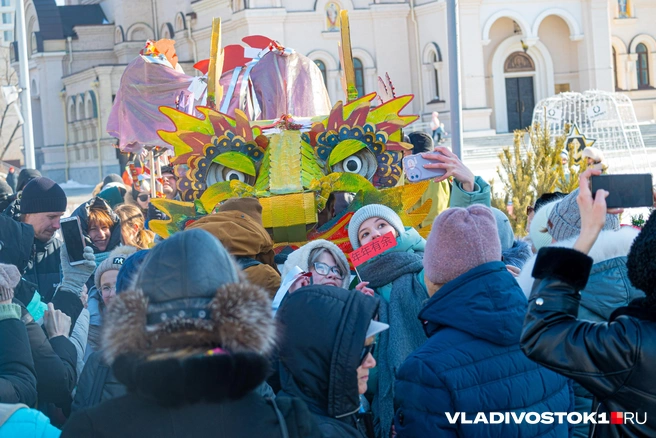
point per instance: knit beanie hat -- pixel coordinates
(460, 240)
(115, 261)
(504, 229)
(538, 231)
(641, 261)
(565, 219)
(25, 176)
(249, 206)
(9, 278)
(128, 272)
(592, 152)
(421, 142)
(112, 178)
(369, 211)
(42, 195)
(206, 264)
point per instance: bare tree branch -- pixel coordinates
(11, 138)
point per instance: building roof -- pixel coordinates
(80, 15)
(50, 24)
(57, 22)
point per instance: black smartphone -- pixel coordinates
(72, 234)
(625, 191)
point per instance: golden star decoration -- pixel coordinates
(578, 141)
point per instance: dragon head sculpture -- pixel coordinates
(292, 167)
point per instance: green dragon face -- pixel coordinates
(292, 173)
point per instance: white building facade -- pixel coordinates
(513, 54)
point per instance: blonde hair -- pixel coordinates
(132, 217)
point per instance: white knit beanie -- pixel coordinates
(114, 261)
(369, 211)
(538, 231)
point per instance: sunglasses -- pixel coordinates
(324, 269)
(368, 349)
(143, 197)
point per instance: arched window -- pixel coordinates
(436, 78)
(33, 43)
(324, 72)
(359, 76)
(71, 111)
(642, 66)
(88, 112)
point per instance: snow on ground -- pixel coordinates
(72, 184)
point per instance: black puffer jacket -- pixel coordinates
(97, 384)
(44, 268)
(16, 242)
(17, 375)
(614, 360)
(54, 363)
(323, 334)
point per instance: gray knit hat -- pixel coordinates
(504, 229)
(565, 219)
(9, 278)
(369, 211)
(114, 261)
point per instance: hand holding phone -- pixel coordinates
(74, 239)
(625, 191)
(415, 170)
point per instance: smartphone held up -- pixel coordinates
(74, 239)
(625, 191)
(413, 166)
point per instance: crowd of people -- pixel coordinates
(211, 332)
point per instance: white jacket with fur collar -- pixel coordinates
(608, 286)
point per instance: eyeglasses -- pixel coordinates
(368, 349)
(108, 289)
(144, 197)
(324, 269)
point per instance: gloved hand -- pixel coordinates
(76, 276)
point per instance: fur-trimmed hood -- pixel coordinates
(608, 286)
(83, 213)
(301, 256)
(240, 321)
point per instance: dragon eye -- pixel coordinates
(220, 173)
(352, 164)
(362, 162)
(231, 175)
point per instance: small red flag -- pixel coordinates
(372, 249)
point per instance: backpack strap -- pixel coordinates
(98, 385)
(247, 262)
(7, 410)
(281, 419)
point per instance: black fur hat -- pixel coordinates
(641, 262)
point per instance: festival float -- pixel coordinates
(259, 123)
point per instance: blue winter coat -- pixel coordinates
(28, 423)
(472, 363)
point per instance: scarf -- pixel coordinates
(406, 333)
